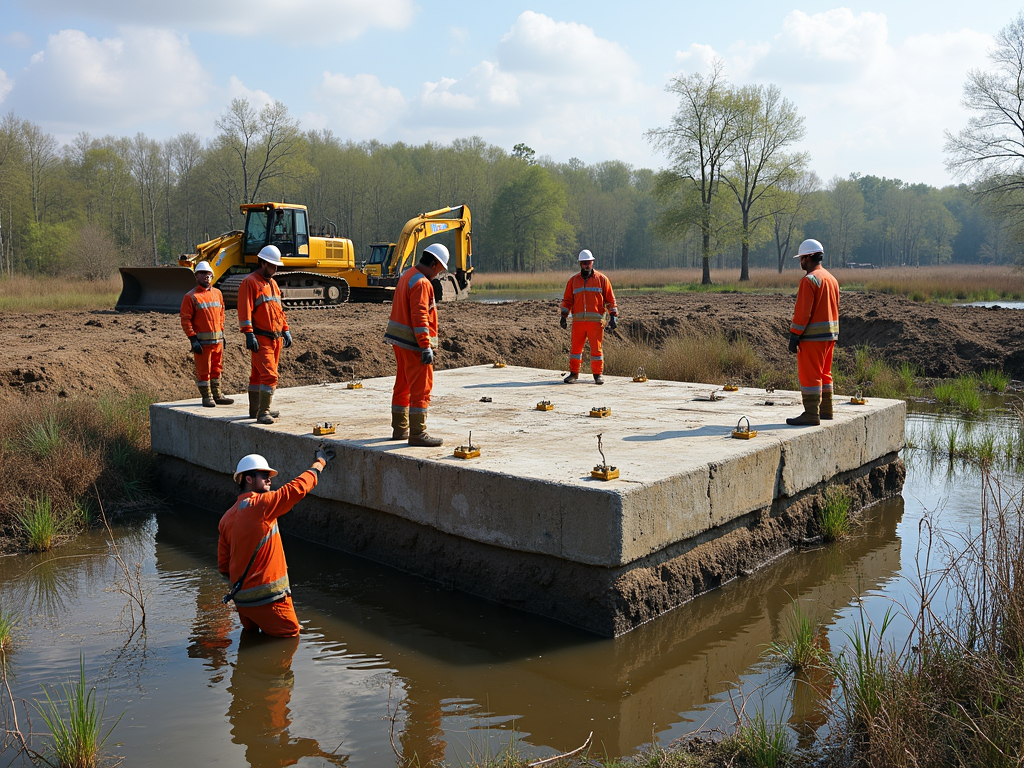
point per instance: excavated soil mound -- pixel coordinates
(73, 353)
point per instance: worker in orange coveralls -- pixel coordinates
(261, 318)
(412, 331)
(813, 334)
(202, 319)
(587, 296)
(249, 549)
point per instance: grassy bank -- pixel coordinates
(942, 284)
(55, 452)
(39, 294)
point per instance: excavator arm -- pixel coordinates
(456, 220)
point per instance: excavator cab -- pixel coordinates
(287, 228)
(380, 259)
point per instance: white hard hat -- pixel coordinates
(253, 462)
(272, 255)
(586, 255)
(809, 246)
(204, 266)
(439, 252)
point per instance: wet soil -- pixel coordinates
(91, 352)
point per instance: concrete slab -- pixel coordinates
(682, 476)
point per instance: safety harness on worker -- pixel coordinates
(238, 584)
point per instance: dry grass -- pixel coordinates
(945, 283)
(55, 450)
(35, 294)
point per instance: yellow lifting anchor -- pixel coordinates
(499, 363)
(858, 399)
(600, 411)
(640, 375)
(730, 388)
(545, 405)
(354, 384)
(323, 428)
(743, 433)
(602, 471)
(467, 451)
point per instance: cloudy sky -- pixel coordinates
(877, 82)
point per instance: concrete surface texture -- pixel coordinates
(682, 475)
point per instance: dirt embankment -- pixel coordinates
(72, 353)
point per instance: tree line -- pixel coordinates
(736, 193)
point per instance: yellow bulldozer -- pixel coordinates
(318, 270)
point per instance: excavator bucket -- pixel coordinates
(154, 289)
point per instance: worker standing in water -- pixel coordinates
(412, 332)
(262, 320)
(249, 550)
(202, 319)
(813, 334)
(587, 296)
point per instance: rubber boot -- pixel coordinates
(218, 396)
(598, 378)
(809, 418)
(418, 432)
(254, 403)
(825, 412)
(264, 415)
(207, 400)
(399, 423)
(571, 378)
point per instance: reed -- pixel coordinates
(8, 625)
(39, 294)
(74, 716)
(960, 393)
(40, 524)
(994, 380)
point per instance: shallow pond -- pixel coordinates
(384, 655)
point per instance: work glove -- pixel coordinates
(324, 454)
(251, 343)
(564, 322)
(794, 343)
(613, 322)
(197, 348)
(427, 356)
(287, 339)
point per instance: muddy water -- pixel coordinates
(449, 676)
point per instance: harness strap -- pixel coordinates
(238, 584)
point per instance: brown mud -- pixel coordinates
(71, 353)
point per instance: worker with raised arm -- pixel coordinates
(588, 295)
(202, 319)
(813, 334)
(249, 550)
(412, 332)
(262, 320)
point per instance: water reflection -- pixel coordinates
(260, 716)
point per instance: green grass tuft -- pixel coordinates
(834, 514)
(40, 524)
(799, 650)
(994, 380)
(763, 744)
(74, 716)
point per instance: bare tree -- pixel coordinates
(844, 218)
(698, 143)
(766, 125)
(41, 152)
(186, 153)
(792, 205)
(261, 141)
(145, 162)
(990, 149)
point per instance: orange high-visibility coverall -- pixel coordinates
(264, 601)
(412, 327)
(587, 300)
(202, 316)
(260, 312)
(816, 322)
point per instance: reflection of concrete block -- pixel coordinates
(681, 476)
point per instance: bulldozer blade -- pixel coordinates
(154, 289)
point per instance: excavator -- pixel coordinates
(318, 271)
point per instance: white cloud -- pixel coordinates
(359, 107)
(115, 84)
(871, 104)
(5, 85)
(300, 22)
(16, 40)
(555, 85)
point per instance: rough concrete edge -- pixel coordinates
(605, 601)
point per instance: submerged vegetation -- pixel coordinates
(52, 454)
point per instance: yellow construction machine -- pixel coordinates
(317, 271)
